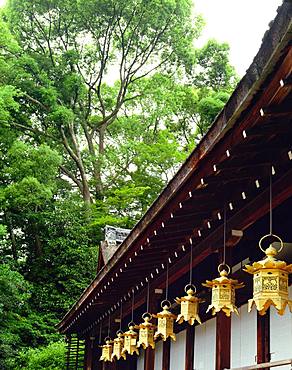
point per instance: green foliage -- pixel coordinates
(100, 103)
(213, 69)
(51, 357)
(14, 294)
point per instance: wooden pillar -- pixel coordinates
(166, 355)
(223, 341)
(190, 341)
(263, 338)
(77, 354)
(89, 353)
(149, 359)
(223, 323)
(132, 362)
(97, 365)
(68, 340)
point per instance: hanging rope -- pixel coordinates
(148, 297)
(109, 326)
(166, 286)
(191, 265)
(100, 329)
(224, 235)
(121, 315)
(271, 204)
(133, 297)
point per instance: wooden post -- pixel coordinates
(223, 323)
(89, 353)
(263, 338)
(133, 362)
(97, 365)
(149, 359)
(223, 341)
(77, 354)
(68, 351)
(190, 341)
(166, 355)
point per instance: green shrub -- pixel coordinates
(51, 357)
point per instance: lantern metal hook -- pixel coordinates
(273, 236)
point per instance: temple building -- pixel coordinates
(224, 221)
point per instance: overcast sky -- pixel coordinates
(242, 23)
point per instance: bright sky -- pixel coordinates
(241, 23)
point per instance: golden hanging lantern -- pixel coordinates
(270, 280)
(130, 341)
(223, 292)
(189, 306)
(146, 332)
(107, 350)
(118, 347)
(165, 322)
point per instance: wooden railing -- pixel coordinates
(265, 365)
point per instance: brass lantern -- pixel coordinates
(223, 292)
(118, 347)
(165, 322)
(146, 332)
(130, 341)
(270, 280)
(107, 350)
(189, 306)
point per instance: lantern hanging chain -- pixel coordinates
(133, 297)
(100, 329)
(109, 325)
(148, 297)
(271, 204)
(121, 315)
(191, 264)
(224, 235)
(166, 286)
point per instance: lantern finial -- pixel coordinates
(189, 306)
(270, 280)
(223, 292)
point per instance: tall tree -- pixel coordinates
(69, 52)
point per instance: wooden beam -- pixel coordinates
(264, 365)
(190, 347)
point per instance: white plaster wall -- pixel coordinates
(205, 345)
(158, 355)
(140, 359)
(178, 351)
(243, 337)
(281, 335)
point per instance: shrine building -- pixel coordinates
(225, 221)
